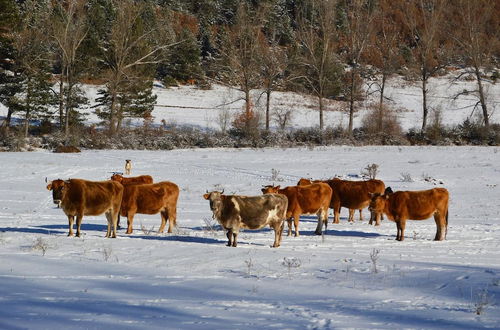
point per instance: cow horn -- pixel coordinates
(222, 192)
(46, 180)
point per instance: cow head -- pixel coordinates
(117, 177)
(377, 204)
(57, 187)
(215, 199)
(304, 182)
(270, 189)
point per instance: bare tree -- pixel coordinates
(356, 30)
(424, 23)
(476, 32)
(383, 51)
(69, 29)
(316, 60)
(242, 49)
(132, 44)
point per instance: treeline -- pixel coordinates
(326, 48)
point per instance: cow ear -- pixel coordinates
(278, 187)
(49, 186)
(206, 196)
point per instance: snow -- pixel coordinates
(190, 280)
(190, 106)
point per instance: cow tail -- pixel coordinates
(446, 231)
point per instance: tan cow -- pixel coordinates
(153, 198)
(234, 212)
(81, 197)
(354, 195)
(413, 205)
(141, 179)
(311, 199)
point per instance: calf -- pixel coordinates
(81, 197)
(234, 212)
(153, 198)
(311, 199)
(413, 205)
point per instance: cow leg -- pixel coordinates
(360, 215)
(351, 215)
(167, 214)
(289, 221)
(440, 227)
(79, 218)
(71, 218)
(229, 235)
(278, 232)
(296, 218)
(235, 237)
(164, 217)
(130, 222)
(336, 213)
(322, 218)
(108, 217)
(398, 226)
(401, 229)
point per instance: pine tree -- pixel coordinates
(9, 19)
(183, 62)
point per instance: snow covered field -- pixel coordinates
(355, 276)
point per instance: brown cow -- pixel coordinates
(252, 212)
(311, 199)
(413, 205)
(153, 198)
(354, 195)
(81, 197)
(141, 179)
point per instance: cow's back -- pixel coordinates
(355, 194)
(418, 205)
(256, 211)
(91, 197)
(309, 198)
(149, 198)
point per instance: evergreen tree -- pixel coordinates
(183, 62)
(32, 64)
(9, 19)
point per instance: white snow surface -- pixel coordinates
(190, 106)
(190, 280)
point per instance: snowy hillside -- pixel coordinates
(355, 276)
(187, 105)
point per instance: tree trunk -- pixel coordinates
(482, 99)
(351, 101)
(119, 119)
(380, 117)
(68, 104)
(424, 101)
(268, 106)
(112, 113)
(61, 103)
(28, 109)
(320, 97)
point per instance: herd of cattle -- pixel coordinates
(126, 196)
